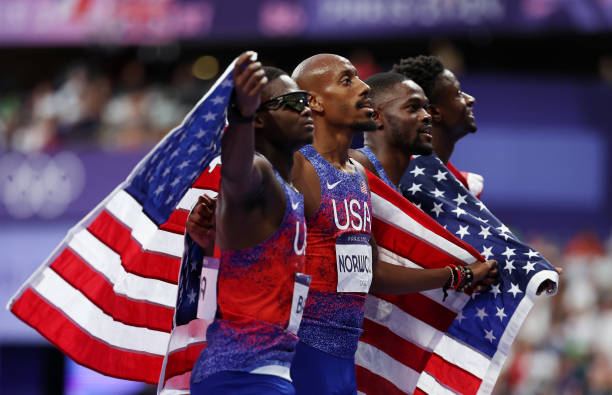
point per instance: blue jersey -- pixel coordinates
(382, 174)
(338, 258)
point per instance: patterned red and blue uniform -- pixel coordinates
(332, 320)
(382, 174)
(256, 287)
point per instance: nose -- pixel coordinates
(469, 98)
(365, 88)
(306, 112)
(425, 116)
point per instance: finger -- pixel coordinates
(198, 228)
(206, 201)
(243, 59)
(559, 269)
(200, 215)
(480, 288)
(246, 77)
(254, 79)
(259, 87)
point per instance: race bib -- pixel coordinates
(207, 301)
(300, 292)
(354, 262)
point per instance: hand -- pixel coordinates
(201, 223)
(549, 285)
(485, 274)
(249, 80)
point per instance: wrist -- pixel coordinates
(234, 115)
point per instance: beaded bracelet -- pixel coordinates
(452, 281)
(460, 279)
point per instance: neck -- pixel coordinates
(332, 142)
(281, 159)
(443, 144)
(394, 161)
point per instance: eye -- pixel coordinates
(413, 107)
(346, 80)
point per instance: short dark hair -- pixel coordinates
(381, 83)
(273, 72)
(424, 70)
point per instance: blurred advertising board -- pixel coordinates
(77, 22)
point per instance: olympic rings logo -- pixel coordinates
(39, 184)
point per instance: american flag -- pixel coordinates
(458, 348)
(106, 296)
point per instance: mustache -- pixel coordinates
(363, 102)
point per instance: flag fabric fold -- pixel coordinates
(106, 296)
(418, 344)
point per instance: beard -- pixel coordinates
(419, 148)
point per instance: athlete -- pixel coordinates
(450, 108)
(339, 245)
(403, 127)
(260, 229)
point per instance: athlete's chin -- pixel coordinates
(423, 149)
(366, 125)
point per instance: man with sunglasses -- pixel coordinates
(340, 254)
(261, 231)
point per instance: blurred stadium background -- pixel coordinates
(87, 87)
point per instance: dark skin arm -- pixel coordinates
(394, 279)
(249, 195)
(238, 172)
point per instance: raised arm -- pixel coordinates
(239, 176)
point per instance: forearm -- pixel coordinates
(394, 279)
(237, 153)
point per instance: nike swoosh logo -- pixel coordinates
(295, 205)
(332, 186)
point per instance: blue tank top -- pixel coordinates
(378, 166)
(332, 320)
(256, 288)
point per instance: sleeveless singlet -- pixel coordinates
(332, 320)
(378, 166)
(256, 290)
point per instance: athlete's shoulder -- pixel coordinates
(362, 158)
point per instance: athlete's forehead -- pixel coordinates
(404, 91)
(279, 86)
(322, 68)
(447, 78)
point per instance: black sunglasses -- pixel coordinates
(296, 101)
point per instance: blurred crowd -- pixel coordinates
(565, 345)
(83, 107)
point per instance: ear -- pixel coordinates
(377, 117)
(315, 103)
(258, 122)
(436, 113)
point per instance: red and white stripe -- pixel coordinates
(106, 296)
(404, 349)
